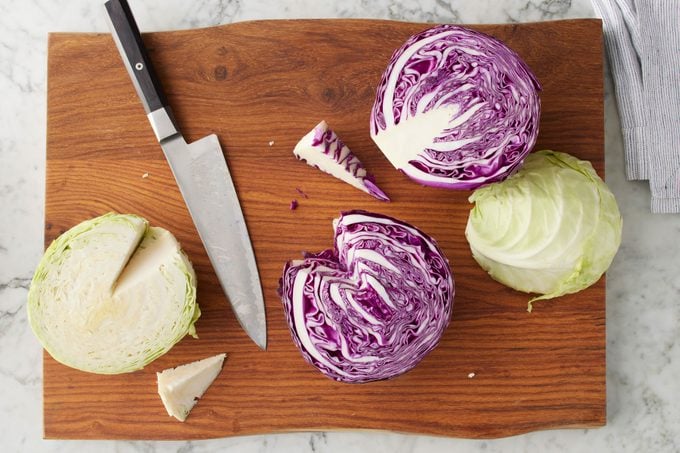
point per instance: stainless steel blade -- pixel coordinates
(208, 190)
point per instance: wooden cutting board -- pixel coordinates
(260, 86)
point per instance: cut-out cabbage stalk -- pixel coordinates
(323, 149)
(180, 388)
(112, 294)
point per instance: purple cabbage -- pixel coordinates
(323, 149)
(456, 108)
(373, 306)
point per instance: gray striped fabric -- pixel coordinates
(620, 36)
(642, 38)
(660, 56)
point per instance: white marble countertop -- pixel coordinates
(643, 328)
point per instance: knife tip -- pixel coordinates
(262, 343)
(259, 338)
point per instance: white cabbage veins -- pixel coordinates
(456, 108)
(372, 307)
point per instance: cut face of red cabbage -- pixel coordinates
(323, 149)
(456, 108)
(373, 306)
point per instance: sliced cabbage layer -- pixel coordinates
(553, 228)
(112, 294)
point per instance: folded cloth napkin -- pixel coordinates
(642, 38)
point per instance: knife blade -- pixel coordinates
(203, 178)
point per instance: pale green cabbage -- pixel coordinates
(112, 294)
(553, 228)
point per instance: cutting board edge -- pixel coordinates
(595, 22)
(599, 422)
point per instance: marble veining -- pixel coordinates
(643, 356)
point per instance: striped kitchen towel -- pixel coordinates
(642, 38)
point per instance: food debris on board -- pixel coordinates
(145, 175)
(298, 190)
(293, 205)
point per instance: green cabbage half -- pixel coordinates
(553, 228)
(112, 294)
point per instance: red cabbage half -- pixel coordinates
(372, 307)
(456, 109)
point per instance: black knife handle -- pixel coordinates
(129, 41)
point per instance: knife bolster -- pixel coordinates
(162, 123)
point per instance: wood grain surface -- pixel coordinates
(258, 82)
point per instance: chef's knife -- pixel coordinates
(203, 179)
